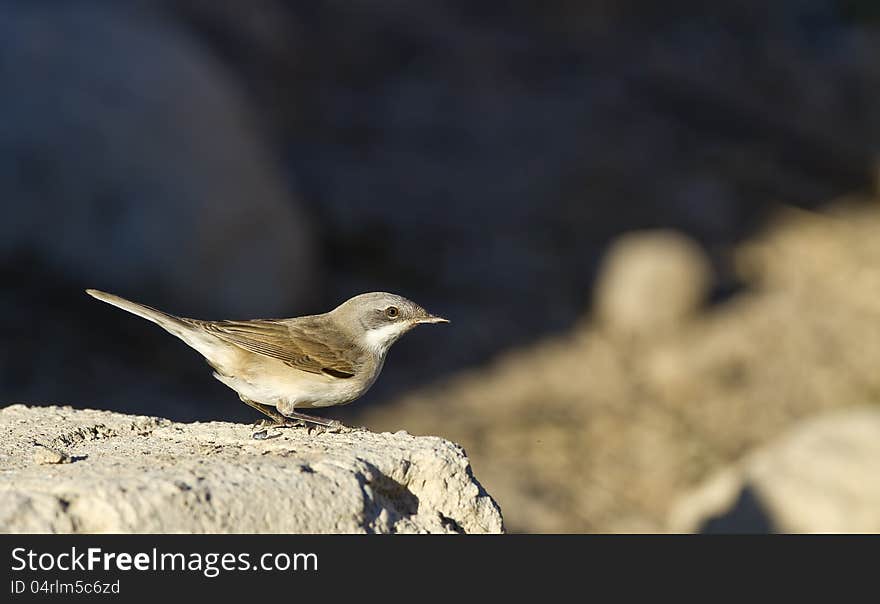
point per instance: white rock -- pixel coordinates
(820, 477)
(150, 475)
(49, 455)
(650, 280)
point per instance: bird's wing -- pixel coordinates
(295, 346)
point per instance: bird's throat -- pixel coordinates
(380, 339)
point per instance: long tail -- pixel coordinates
(217, 352)
(170, 323)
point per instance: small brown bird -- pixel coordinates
(279, 365)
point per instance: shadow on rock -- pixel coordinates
(747, 516)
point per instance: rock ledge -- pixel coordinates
(64, 470)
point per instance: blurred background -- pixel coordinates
(655, 229)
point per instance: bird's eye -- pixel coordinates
(392, 312)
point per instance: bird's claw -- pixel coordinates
(332, 427)
(293, 423)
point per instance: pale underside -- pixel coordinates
(272, 383)
(285, 364)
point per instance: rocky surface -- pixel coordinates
(822, 476)
(85, 471)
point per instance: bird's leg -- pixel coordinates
(266, 410)
(321, 422)
(310, 419)
(286, 420)
(275, 420)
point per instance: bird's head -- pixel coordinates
(380, 318)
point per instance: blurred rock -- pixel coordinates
(650, 282)
(131, 162)
(819, 477)
(479, 159)
(583, 432)
(137, 474)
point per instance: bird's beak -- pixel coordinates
(433, 319)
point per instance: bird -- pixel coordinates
(278, 366)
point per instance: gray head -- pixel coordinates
(382, 318)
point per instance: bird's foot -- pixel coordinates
(262, 428)
(265, 427)
(317, 425)
(293, 423)
(331, 427)
(313, 425)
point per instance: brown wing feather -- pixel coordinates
(294, 346)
